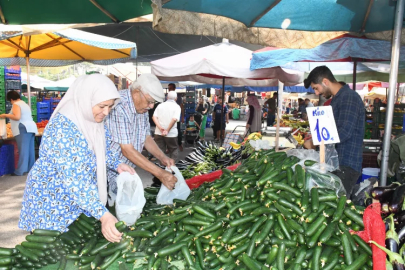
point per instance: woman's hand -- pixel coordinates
(108, 228)
(125, 168)
(3, 115)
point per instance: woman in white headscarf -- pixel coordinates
(69, 178)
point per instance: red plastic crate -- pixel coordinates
(197, 181)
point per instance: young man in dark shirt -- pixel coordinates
(349, 114)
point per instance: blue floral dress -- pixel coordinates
(63, 183)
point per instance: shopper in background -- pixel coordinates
(308, 103)
(166, 117)
(202, 110)
(69, 178)
(172, 87)
(254, 123)
(271, 105)
(349, 113)
(24, 130)
(129, 125)
(301, 106)
(218, 118)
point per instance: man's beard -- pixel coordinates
(327, 93)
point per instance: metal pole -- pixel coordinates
(27, 60)
(354, 74)
(222, 108)
(396, 43)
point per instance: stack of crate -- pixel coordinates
(190, 101)
(12, 78)
(2, 91)
(43, 110)
(33, 106)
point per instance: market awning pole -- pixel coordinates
(278, 115)
(27, 59)
(354, 74)
(222, 107)
(396, 43)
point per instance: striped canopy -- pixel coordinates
(61, 48)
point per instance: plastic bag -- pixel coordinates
(181, 190)
(3, 129)
(318, 178)
(260, 144)
(130, 198)
(331, 157)
(358, 196)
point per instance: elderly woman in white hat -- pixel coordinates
(130, 130)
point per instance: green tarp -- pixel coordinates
(72, 11)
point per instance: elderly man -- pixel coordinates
(165, 117)
(129, 126)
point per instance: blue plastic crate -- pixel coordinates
(6, 159)
(43, 110)
(42, 105)
(43, 116)
(12, 77)
(12, 70)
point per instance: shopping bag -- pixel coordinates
(3, 129)
(232, 137)
(130, 198)
(181, 190)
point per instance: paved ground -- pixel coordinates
(12, 189)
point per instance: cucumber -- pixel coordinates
(347, 250)
(359, 262)
(314, 199)
(96, 262)
(40, 239)
(33, 245)
(187, 256)
(309, 162)
(300, 176)
(139, 233)
(316, 258)
(25, 252)
(363, 245)
(7, 251)
(99, 248)
(280, 259)
(114, 248)
(109, 260)
(88, 247)
(47, 232)
(242, 220)
(168, 250)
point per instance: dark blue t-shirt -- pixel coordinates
(218, 110)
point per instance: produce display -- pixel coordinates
(260, 216)
(207, 157)
(393, 209)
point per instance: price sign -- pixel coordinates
(322, 125)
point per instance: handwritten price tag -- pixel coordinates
(322, 125)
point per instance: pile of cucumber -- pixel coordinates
(83, 244)
(259, 216)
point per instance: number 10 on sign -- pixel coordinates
(322, 125)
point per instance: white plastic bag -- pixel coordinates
(3, 129)
(130, 198)
(331, 157)
(181, 190)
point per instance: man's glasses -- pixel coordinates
(149, 102)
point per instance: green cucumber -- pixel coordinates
(280, 259)
(314, 199)
(47, 232)
(40, 239)
(114, 248)
(109, 260)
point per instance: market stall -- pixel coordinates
(267, 211)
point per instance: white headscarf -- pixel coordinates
(77, 104)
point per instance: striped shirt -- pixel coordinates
(126, 127)
(348, 110)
